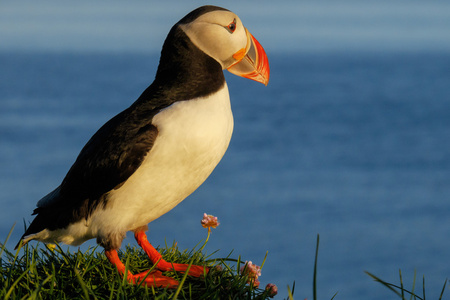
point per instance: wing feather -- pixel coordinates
(109, 158)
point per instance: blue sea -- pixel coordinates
(354, 147)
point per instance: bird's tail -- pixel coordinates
(33, 229)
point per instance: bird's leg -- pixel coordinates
(155, 278)
(156, 258)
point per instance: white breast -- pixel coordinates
(192, 138)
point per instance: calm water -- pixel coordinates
(353, 147)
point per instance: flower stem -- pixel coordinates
(206, 241)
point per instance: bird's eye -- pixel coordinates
(232, 26)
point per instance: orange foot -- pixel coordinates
(155, 278)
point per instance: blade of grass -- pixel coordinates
(82, 284)
(414, 285)
(63, 254)
(443, 289)
(386, 284)
(293, 288)
(180, 286)
(238, 264)
(423, 287)
(401, 284)
(6, 240)
(125, 273)
(53, 283)
(226, 266)
(13, 264)
(290, 295)
(264, 260)
(111, 295)
(315, 270)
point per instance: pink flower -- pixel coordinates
(272, 289)
(209, 221)
(255, 283)
(252, 272)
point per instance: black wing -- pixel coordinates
(109, 158)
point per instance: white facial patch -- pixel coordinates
(210, 34)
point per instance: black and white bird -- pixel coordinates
(151, 156)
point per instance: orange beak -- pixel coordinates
(252, 62)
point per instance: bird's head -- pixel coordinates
(220, 34)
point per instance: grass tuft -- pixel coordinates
(48, 272)
(400, 291)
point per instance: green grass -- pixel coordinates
(40, 272)
(44, 272)
(404, 293)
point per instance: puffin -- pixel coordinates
(148, 158)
